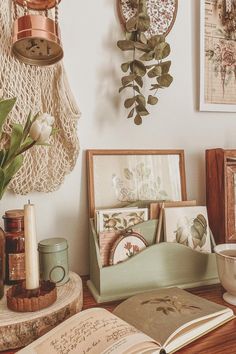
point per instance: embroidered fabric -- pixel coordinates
(38, 89)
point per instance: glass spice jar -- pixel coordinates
(2, 262)
(14, 246)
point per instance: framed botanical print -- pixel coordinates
(119, 177)
(218, 56)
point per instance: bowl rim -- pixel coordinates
(224, 255)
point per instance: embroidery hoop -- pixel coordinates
(125, 12)
(126, 236)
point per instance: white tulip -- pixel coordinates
(41, 129)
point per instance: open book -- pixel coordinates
(146, 323)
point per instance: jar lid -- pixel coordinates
(15, 213)
(52, 245)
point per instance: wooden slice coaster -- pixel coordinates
(18, 329)
(21, 300)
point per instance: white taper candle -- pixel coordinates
(31, 252)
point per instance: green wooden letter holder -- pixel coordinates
(159, 265)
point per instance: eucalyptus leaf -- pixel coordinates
(152, 100)
(134, 3)
(141, 100)
(165, 80)
(162, 50)
(143, 38)
(125, 67)
(127, 79)
(143, 22)
(147, 56)
(131, 24)
(142, 47)
(139, 81)
(141, 109)
(156, 71)
(124, 87)
(155, 40)
(136, 88)
(155, 87)
(131, 113)
(138, 119)
(165, 66)
(138, 68)
(125, 44)
(129, 102)
(5, 108)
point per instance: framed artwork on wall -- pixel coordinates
(119, 177)
(218, 56)
(162, 15)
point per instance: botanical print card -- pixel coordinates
(120, 219)
(188, 226)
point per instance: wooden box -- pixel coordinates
(221, 193)
(160, 265)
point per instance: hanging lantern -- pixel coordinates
(36, 37)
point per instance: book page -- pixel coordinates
(89, 332)
(161, 313)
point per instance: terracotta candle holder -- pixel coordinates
(20, 299)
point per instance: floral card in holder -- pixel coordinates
(120, 219)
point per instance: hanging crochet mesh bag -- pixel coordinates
(38, 89)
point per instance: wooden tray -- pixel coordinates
(19, 329)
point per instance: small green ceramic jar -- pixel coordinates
(53, 260)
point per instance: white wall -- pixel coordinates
(90, 30)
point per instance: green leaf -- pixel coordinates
(131, 113)
(5, 108)
(125, 45)
(162, 50)
(2, 182)
(138, 68)
(139, 81)
(143, 22)
(27, 126)
(152, 100)
(129, 102)
(138, 119)
(28, 141)
(131, 24)
(13, 168)
(165, 80)
(156, 71)
(147, 56)
(127, 79)
(125, 67)
(16, 138)
(3, 154)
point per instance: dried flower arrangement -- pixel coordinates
(153, 50)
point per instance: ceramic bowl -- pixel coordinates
(226, 265)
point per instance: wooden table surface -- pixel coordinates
(220, 341)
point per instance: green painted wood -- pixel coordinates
(160, 265)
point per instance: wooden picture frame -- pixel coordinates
(221, 194)
(103, 181)
(217, 84)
